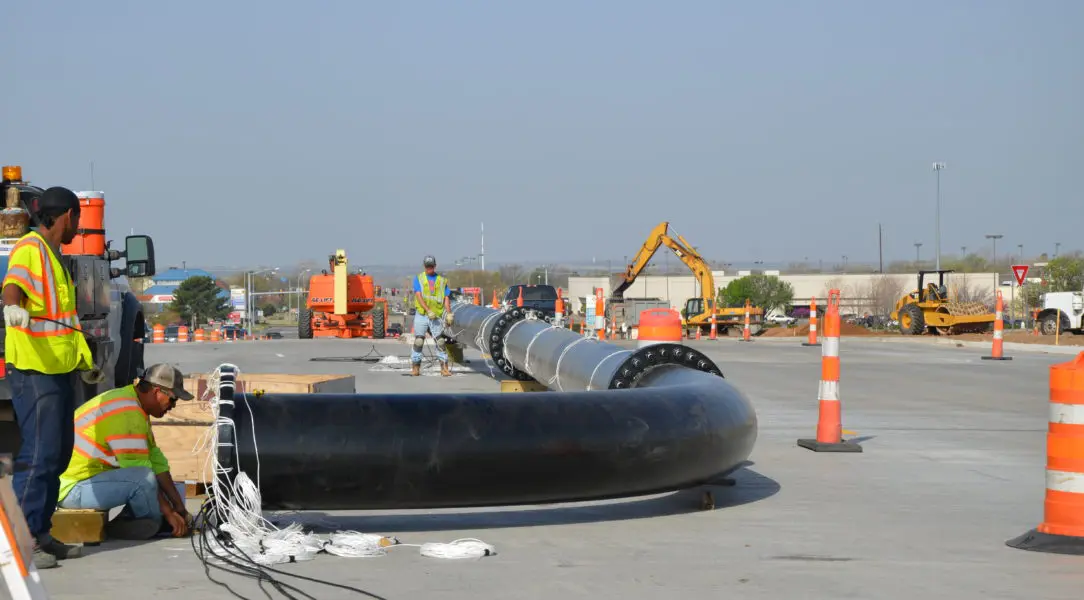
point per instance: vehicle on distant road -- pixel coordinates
(781, 319)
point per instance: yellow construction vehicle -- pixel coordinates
(697, 310)
(929, 309)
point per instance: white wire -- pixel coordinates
(239, 508)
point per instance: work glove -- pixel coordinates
(16, 316)
(449, 318)
(93, 376)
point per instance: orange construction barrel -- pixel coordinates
(659, 325)
(182, 334)
(159, 334)
(90, 237)
(199, 335)
(215, 335)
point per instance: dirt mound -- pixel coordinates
(803, 331)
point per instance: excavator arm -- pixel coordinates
(659, 236)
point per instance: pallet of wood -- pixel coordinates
(179, 432)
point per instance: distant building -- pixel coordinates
(160, 293)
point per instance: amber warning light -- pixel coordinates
(13, 173)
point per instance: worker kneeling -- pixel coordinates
(117, 463)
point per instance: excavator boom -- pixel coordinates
(659, 236)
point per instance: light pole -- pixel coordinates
(1057, 246)
(917, 259)
(963, 251)
(844, 263)
(995, 237)
(1021, 248)
(298, 288)
(937, 167)
(250, 315)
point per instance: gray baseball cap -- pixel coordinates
(168, 378)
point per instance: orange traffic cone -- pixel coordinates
(830, 420)
(1062, 529)
(745, 333)
(812, 323)
(996, 353)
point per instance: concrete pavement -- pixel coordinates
(953, 466)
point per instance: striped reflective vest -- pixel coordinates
(434, 296)
(111, 431)
(53, 346)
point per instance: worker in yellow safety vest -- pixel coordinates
(117, 462)
(432, 311)
(43, 347)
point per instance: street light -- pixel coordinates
(937, 167)
(963, 251)
(917, 259)
(298, 288)
(1021, 248)
(995, 237)
(1057, 246)
(249, 313)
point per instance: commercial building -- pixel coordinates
(859, 293)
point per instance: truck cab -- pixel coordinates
(110, 315)
(541, 298)
(1062, 312)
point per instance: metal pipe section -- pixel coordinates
(525, 347)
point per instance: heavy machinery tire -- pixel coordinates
(912, 321)
(1048, 324)
(379, 318)
(304, 323)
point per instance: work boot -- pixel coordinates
(59, 549)
(42, 559)
(127, 528)
(416, 369)
(444, 371)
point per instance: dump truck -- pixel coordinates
(109, 312)
(929, 309)
(342, 305)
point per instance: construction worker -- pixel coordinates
(43, 348)
(117, 462)
(433, 310)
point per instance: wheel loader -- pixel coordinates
(929, 309)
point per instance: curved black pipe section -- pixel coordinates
(678, 429)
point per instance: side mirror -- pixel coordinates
(139, 256)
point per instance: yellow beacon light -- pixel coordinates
(12, 173)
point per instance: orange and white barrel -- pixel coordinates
(215, 335)
(182, 334)
(658, 326)
(159, 334)
(200, 335)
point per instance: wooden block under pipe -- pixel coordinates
(79, 526)
(513, 385)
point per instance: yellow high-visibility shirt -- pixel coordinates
(432, 295)
(52, 343)
(111, 431)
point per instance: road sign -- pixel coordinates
(1021, 271)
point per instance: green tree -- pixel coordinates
(1064, 274)
(766, 291)
(198, 299)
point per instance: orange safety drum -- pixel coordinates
(90, 238)
(659, 325)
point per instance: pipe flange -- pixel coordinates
(644, 359)
(496, 343)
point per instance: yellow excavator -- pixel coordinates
(929, 309)
(697, 310)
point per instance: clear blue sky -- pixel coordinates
(767, 131)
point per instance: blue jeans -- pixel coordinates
(133, 487)
(45, 412)
(435, 327)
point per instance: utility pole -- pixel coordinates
(995, 237)
(917, 259)
(938, 166)
(482, 256)
(880, 249)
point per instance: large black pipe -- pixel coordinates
(675, 424)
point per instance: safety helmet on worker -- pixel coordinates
(429, 261)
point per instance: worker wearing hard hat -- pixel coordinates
(43, 347)
(433, 310)
(117, 462)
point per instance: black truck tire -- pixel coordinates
(132, 328)
(379, 319)
(304, 323)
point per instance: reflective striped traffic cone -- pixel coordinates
(812, 323)
(1062, 529)
(745, 334)
(997, 353)
(830, 421)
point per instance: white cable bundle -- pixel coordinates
(458, 549)
(354, 544)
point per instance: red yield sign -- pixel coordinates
(1020, 271)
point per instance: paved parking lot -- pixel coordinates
(953, 466)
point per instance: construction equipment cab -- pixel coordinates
(109, 313)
